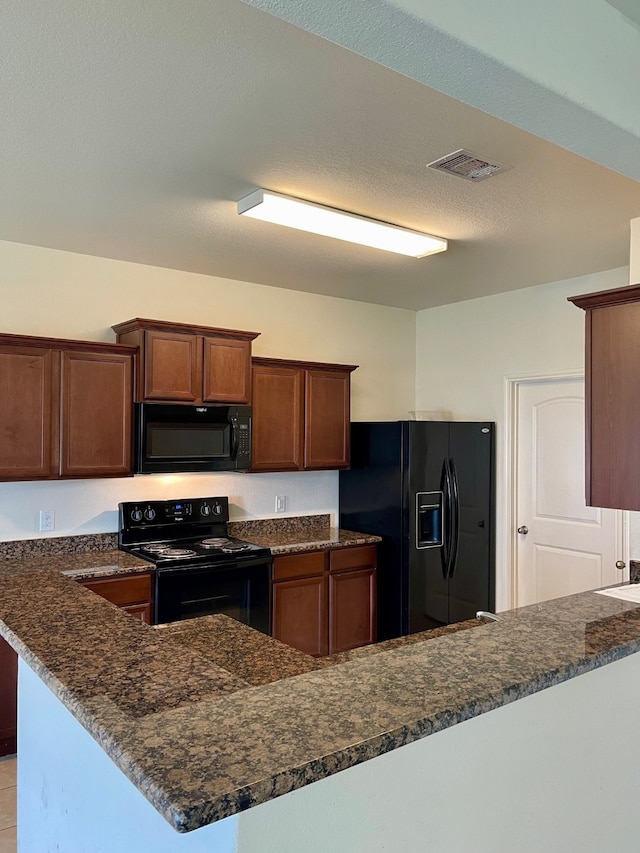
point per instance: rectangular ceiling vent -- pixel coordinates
(466, 165)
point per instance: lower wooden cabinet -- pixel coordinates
(8, 698)
(352, 609)
(300, 614)
(133, 593)
(324, 602)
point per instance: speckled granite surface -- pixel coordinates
(252, 656)
(47, 545)
(82, 565)
(302, 524)
(201, 743)
(292, 541)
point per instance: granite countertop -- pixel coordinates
(295, 542)
(297, 534)
(96, 555)
(86, 557)
(87, 565)
(206, 731)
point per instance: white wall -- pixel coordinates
(61, 294)
(465, 351)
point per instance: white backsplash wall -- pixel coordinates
(91, 506)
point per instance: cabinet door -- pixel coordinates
(327, 413)
(8, 698)
(277, 418)
(613, 406)
(26, 376)
(140, 611)
(352, 609)
(123, 591)
(172, 366)
(96, 413)
(227, 371)
(299, 614)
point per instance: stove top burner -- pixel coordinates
(156, 549)
(234, 546)
(167, 551)
(215, 542)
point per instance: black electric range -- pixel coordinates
(200, 569)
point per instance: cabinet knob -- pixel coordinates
(523, 529)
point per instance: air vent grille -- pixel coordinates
(465, 164)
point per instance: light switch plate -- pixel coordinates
(281, 503)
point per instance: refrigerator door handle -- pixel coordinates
(455, 518)
(446, 513)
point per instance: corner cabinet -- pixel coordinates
(131, 593)
(301, 415)
(182, 363)
(612, 397)
(65, 408)
(324, 602)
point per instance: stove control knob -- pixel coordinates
(205, 510)
(149, 514)
(136, 515)
(217, 509)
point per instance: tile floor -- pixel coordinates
(8, 804)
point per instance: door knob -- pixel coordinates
(620, 564)
(524, 530)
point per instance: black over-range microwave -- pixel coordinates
(174, 439)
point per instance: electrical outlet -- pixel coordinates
(281, 503)
(47, 520)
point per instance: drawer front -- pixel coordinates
(363, 556)
(121, 591)
(299, 565)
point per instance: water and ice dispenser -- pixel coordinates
(428, 519)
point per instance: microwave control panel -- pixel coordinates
(244, 439)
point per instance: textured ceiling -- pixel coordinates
(130, 130)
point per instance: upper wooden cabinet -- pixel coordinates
(301, 414)
(65, 408)
(181, 363)
(612, 396)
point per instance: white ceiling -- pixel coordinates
(129, 130)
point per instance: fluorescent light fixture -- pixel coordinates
(329, 222)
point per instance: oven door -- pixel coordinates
(237, 589)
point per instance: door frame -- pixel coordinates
(513, 383)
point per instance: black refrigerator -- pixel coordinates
(428, 489)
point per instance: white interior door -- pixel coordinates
(563, 546)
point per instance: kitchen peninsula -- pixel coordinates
(206, 744)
